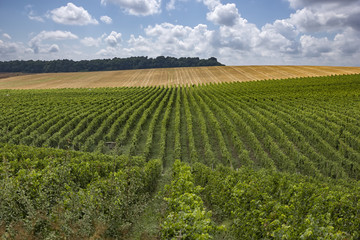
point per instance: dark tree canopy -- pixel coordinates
(66, 65)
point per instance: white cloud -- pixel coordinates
(13, 50)
(113, 39)
(318, 32)
(107, 52)
(54, 48)
(36, 43)
(283, 27)
(242, 36)
(6, 36)
(53, 35)
(137, 7)
(36, 18)
(310, 20)
(347, 42)
(32, 14)
(236, 41)
(279, 37)
(91, 42)
(211, 4)
(328, 16)
(315, 47)
(170, 5)
(106, 19)
(304, 3)
(172, 40)
(72, 15)
(234, 32)
(224, 14)
(234, 36)
(8, 48)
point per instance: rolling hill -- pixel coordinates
(168, 76)
(274, 159)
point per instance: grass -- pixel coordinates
(147, 225)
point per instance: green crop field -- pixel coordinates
(274, 159)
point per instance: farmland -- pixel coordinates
(168, 76)
(233, 160)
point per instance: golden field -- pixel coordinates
(167, 76)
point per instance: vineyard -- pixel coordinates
(274, 159)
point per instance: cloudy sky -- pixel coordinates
(237, 32)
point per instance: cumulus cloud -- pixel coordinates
(6, 36)
(172, 40)
(242, 36)
(278, 37)
(236, 44)
(283, 27)
(211, 4)
(113, 39)
(137, 7)
(314, 47)
(106, 19)
(36, 18)
(304, 3)
(237, 41)
(36, 43)
(72, 15)
(8, 48)
(347, 42)
(313, 20)
(328, 16)
(224, 14)
(54, 48)
(107, 52)
(91, 42)
(170, 5)
(234, 32)
(320, 32)
(13, 50)
(32, 15)
(53, 35)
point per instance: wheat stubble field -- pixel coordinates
(168, 76)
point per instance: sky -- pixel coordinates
(236, 32)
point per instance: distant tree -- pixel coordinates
(67, 65)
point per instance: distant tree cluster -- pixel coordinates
(66, 65)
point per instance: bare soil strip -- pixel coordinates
(165, 77)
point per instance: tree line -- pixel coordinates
(67, 65)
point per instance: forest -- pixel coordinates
(66, 65)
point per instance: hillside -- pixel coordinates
(168, 76)
(277, 159)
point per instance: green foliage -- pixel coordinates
(66, 65)
(308, 125)
(70, 194)
(186, 216)
(304, 132)
(271, 205)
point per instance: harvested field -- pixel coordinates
(167, 76)
(7, 75)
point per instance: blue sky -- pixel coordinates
(246, 32)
